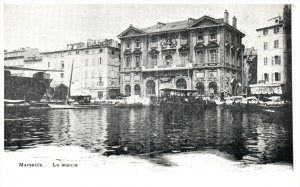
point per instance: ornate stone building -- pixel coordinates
(204, 54)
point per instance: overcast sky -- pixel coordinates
(50, 27)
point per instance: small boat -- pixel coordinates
(131, 105)
(15, 107)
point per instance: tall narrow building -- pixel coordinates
(274, 57)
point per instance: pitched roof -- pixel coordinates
(178, 25)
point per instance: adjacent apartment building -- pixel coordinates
(95, 66)
(274, 57)
(204, 54)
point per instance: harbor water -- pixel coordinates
(248, 137)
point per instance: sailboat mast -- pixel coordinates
(69, 93)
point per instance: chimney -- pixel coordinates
(226, 15)
(130, 25)
(191, 21)
(234, 21)
(160, 24)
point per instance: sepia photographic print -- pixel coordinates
(149, 94)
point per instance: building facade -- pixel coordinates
(20, 58)
(274, 57)
(95, 67)
(250, 68)
(204, 54)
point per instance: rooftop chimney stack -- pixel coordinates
(191, 21)
(234, 21)
(226, 15)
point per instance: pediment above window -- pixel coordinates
(184, 49)
(153, 52)
(212, 44)
(137, 51)
(127, 52)
(168, 51)
(199, 46)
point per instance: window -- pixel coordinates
(276, 44)
(87, 52)
(100, 50)
(100, 60)
(137, 61)
(200, 38)
(154, 60)
(184, 57)
(127, 90)
(62, 54)
(276, 30)
(62, 65)
(86, 62)
(265, 45)
(70, 53)
(150, 88)
(213, 56)
(49, 64)
(61, 75)
(77, 52)
(183, 40)
(200, 55)
(277, 60)
(169, 60)
(265, 61)
(213, 36)
(137, 44)
(153, 39)
(100, 95)
(266, 77)
(128, 45)
(137, 89)
(277, 76)
(112, 52)
(100, 81)
(265, 31)
(127, 60)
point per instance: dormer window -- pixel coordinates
(265, 31)
(128, 45)
(137, 44)
(276, 30)
(213, 37)
(200, 38)
(183, 40)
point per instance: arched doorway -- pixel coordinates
(200, 87)
(137, 89)
(150, 85)
(181, 84)
(213, 88)
(127, 90)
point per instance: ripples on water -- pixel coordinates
(251, 137)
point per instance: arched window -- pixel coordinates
(137, 89)
(200, 87)
(169, 60)
(213, 88)
(181, 84)
(150, 88)
(127, 90)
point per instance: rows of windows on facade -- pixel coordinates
(200, 54)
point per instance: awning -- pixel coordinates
(266, 89)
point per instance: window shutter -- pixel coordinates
(279, 60)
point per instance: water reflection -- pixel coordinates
(250, 137)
